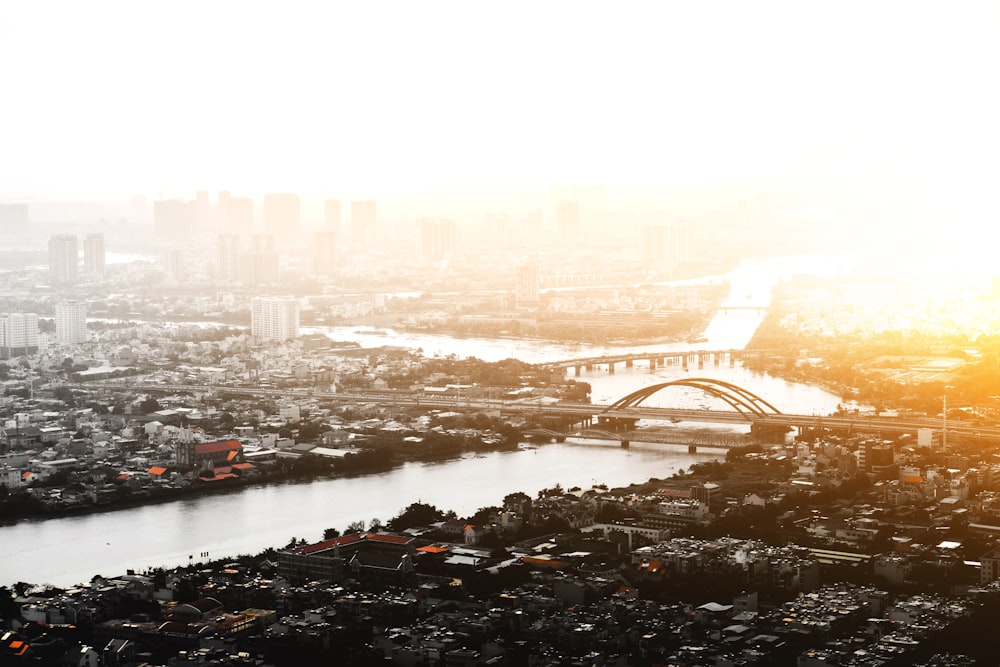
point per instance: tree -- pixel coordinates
(149, 405)
(65, 394)
(355, 527)
(331, 533)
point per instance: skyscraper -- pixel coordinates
(259, 265)
(18, 334)
(666, 243)
(228, 257)
(325, 254)
(274, 318)
(282, 215)
(331, 215)
(64, 258)
(93, 255)
(438, 237)
(362, 221)
(71, 322)
(526, 291)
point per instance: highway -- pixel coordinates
(853, 424)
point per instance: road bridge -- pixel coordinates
(755, 411)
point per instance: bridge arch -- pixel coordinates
(743, 401)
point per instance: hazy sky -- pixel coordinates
(120, 97)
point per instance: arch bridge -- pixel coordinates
(742, 400)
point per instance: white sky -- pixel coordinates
(122, 97)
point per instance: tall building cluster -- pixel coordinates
(274, 319)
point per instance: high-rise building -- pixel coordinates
(140, 210)
(282, 215)
(568, 221)
(438, 237)
(93, 255)
(18, 334)
(228, 257)
(173, 220)
(325, 253)
(71, 322)
(362, 221)
(64, 259)
(274, 318)
(331, 215)
(222, 211)
(526, 291)
(239, 215)
(259, 264)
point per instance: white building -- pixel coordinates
(64, 259)
(71, 322)
(274, 318)
(18, 334)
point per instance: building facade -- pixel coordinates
(71, 322)
(93, 255)
(274, 319)
(64, 258)
(18, 334)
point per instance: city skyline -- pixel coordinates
(887, 100)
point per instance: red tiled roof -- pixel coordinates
(157, 470)
(217, 447)
(243, 466)
(327, 544)
(542, 561)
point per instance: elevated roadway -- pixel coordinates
(584, 413)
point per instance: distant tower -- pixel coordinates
(93, 255)
(438, 237)
(259, 265)
(71, 322)
(331, 215)
(325, 254)
(18, 334)
(653, 242)
(527, 289)
(678, 241)
(568, 221)
(274, 318)
(282, 215)
(362, 221)
(228, 257)
(64, 258)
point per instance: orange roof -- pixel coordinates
(243, 466)
(914, 479)
(217, 447)
(157, 470)
(431, 549)
(231, 455)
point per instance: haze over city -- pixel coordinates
(538, 333)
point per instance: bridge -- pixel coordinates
(683, 358)
(617, 417)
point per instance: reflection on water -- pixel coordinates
(253, 519)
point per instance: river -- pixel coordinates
(64, 551)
